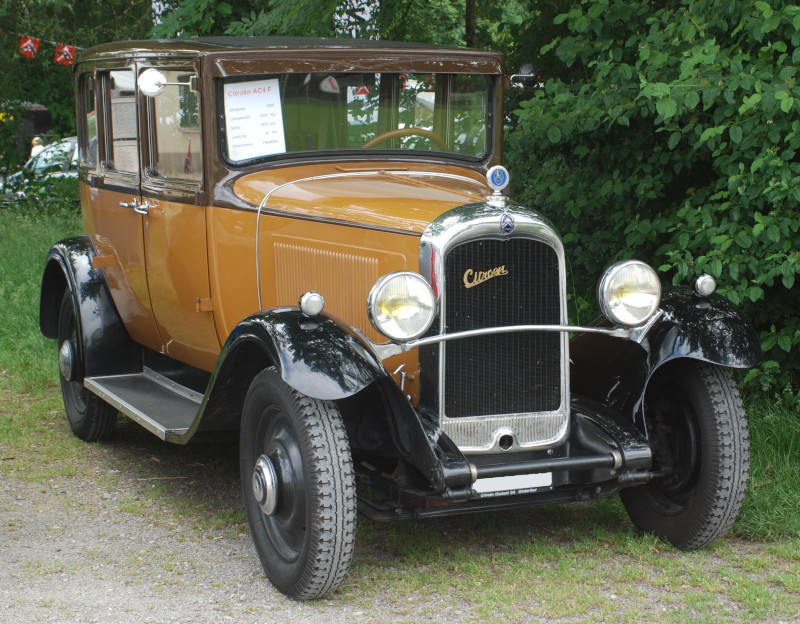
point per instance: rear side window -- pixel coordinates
(121, 98)
(88, 118)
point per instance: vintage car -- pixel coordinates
(306, 244)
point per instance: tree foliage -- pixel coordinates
(431, 21)
(82, 23)
(200, 18)
(672, 134)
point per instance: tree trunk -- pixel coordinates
(469, 37)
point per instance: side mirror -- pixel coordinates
(528, 77)
(151, 82)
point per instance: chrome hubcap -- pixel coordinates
(265, 485)
(66, 361)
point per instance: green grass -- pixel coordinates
(517, 566)
(772, 504)
(26, 235)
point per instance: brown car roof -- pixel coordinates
(242, 55)
(206, 45)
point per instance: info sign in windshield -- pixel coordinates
(253, 119)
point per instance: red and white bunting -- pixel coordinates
(28, 46)
(65, 54)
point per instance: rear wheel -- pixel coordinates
(298, 486)
(90, 418)
(701, 454)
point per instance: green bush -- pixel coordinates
(672, 135)
(43, 195)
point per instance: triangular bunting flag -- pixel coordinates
(65, 54)
(29, 46)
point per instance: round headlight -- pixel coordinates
(401, 305)
(629, 293)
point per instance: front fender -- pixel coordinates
(711, 329)
(323, 358)
(615, 372)
(320, 357)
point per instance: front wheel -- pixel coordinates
(298, 486)
(701, 456)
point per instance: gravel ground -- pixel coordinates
(96, 547)
(139, 531)
(69, 554)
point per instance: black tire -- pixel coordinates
(90, 418)
(305, 545)
(701, 446)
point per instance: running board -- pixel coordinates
(157, 403)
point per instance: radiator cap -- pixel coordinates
(497, 177)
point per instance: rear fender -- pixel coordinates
(105, 348)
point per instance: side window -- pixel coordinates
(123, 154)
(177, 152)
(88, 117)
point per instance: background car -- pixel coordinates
(57, 160)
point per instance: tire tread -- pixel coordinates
(330, 483)
(715, 505)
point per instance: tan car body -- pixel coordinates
(188, 272)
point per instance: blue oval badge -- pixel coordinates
(506, 223)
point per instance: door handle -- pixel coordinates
(142, 209)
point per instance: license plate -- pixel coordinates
(513, 483)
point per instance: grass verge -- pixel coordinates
(772, 504)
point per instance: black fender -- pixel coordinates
(319, 356)
(616, 371)
(323, 358)
(420, 442)
(104, 346)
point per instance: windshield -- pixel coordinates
(52, 158)
(267, 116)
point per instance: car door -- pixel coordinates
(114, 209)
(175, 245)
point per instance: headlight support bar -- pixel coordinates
(388, 349)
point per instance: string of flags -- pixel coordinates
(29, 47)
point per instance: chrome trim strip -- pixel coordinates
(176, 388)
(344, 174)
(277, 212)
(636, 334)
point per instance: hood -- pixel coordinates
(386, 195)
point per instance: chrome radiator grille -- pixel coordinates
(503, 383)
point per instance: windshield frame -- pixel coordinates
(490, 120)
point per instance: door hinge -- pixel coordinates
(204, 305)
